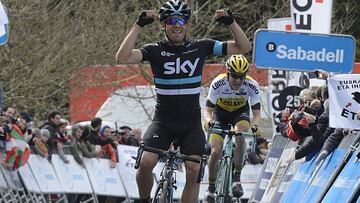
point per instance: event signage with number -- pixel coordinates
(304, 51)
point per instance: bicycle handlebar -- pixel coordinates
(176, 154)
(217, 127)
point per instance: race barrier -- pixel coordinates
(279, 172)
(41, 177)
(15, 191)
(269, 166)
(311, 180)
(329, 170)
(346, 187)
(299, 182)
(308, 182)
(249, 175)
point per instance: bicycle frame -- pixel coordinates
(223, 190)
(167, 183)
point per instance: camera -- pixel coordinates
(310, 110)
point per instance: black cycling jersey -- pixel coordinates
(177, 71)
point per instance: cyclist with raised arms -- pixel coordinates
(176, 63)
(228, 102)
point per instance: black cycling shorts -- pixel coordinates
(182, 126)
(231, 117)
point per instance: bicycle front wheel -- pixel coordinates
(224, 190)
(161, 193)
(163, 198)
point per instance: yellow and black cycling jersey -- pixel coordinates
(224, 97)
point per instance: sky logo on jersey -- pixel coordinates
(179, 67)
(303, 51)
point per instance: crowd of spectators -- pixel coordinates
(311, 120)
(19, 137)
(18, 134)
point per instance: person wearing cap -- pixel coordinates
(127, 137)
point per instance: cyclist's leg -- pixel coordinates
(155, 136)
(192, 144)
(242, 125)
(240, 148)
(144, 178)
(216, 143)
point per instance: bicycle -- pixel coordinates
(223, 191)
(167, 181)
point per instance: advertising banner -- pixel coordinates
(269, 166)
(327, 169)
(72, 177)
(127, 157)
(29, 179)
(304, 51)
(312, 15)
(44, 174)
(346, 183)
(344, 97)
(299, 182)
(104, 180)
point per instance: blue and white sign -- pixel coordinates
(4, 26)
(304, 51)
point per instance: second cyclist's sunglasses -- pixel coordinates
(176, 20)
(237, 76)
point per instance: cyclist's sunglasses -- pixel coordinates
(176, 20)
(236, 76)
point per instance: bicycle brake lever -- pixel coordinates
(138, 158)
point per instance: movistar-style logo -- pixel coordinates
(323, 55)
(178, 67)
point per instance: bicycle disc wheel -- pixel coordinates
(164, 192)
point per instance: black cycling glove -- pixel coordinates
(227, 20)
(256, 130)
(142, 20)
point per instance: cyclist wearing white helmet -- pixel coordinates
(228, 102)
(176, 63)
